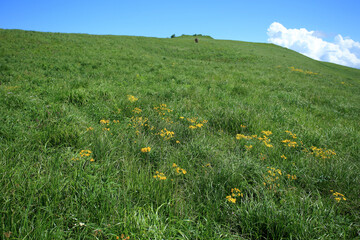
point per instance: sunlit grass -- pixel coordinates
(106, 137)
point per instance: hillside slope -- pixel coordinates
(224, 120)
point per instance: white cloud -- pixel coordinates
(342, 51)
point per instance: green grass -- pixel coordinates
(54, 86)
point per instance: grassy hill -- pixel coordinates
(108, 137)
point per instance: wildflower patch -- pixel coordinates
(235, 193)
(159, 176)
(338, 197)
(179, 170)
(131, 98)
(84, 155)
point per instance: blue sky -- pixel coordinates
(222, 19)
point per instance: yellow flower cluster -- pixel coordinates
(235, 192)
(131, 98)
(291, 134)
(263, 139)
(159, 175)
(208, 165)
(168, 120)
(178, 169)
(322, 152)
(137, 110)
(146, 149)
(137, 122)
(266, 140)
(195, 123)
(272, 178)
(104, 121)
(267, 133)
(162, 109)
(89, 129)
(302, 71)
(84, 154)
(231, 199)
(283, 157)
(242, 136)
(291, 177)
(289, 143)
(248, 148)
(166, 134)
(338, 196)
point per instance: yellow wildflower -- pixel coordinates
(322, 153)
(271, 179)
(207, 165)
(162, 109)
(132, 98)
(166, 134)
(248, 147)
(146, 149)
(242, 136)
(195, 123)
(268, 145)
(103, 121)
(178, 169)
(235, 192)
(289, 143)
(267, 133)
(338, 196)
(231, 199)
(85, 153)
(160, 176)
(137, 110)
(291, 134)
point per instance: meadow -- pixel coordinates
(120, 137)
